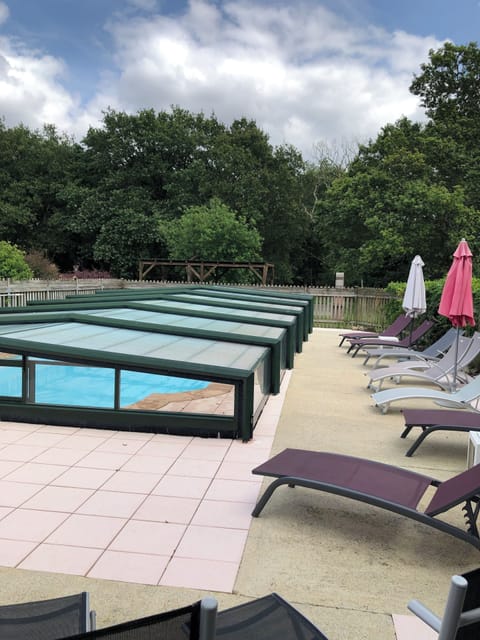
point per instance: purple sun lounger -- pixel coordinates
(430, 420)
(382, 485)
(395, 329)
(408, 341)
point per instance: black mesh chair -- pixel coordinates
(461, 617)
(180, 624)
(267, 618)
(47, 619)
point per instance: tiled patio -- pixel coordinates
(133, 507)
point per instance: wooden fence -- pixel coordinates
(334, 307)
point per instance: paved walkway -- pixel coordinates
(136, 507)
(346, 565)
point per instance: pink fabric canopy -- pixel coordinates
(456, 302)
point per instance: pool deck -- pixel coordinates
(147, 523)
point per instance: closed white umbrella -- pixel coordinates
(414, 301)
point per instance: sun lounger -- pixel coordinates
(266, 618)
(395, 329)
(460, 399)
(461, 617)
(408, 341)
(53, 618)
(378, 484)
(431, 420)
(439, 373)
(434, 351)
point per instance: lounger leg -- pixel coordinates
(407, 430)
(268, 494)
(418, 441)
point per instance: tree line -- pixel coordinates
(178, 185)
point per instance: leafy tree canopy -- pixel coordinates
(212, 232)
(12, 262)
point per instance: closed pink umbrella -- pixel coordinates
(456, 302)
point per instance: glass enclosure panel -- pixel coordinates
(175, 394)
(72, 385)
(146, 390)
(261, 383)
(10, 376)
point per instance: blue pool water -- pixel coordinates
(90, 386)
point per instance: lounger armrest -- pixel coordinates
(424, 613)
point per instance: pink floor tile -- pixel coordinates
(132, 482)
(167, 509)
(148, 464)
(42, 439)
(121, 445)
(80, 442)
(83, 478)
(266, 428)
(30, 525)
(212, 543)
(58, 499)
(129, 567)
(215, 513)
(182, 486)
(132, 435)
(7, 466)
(104, 460)
(65, 431)
(60, 559)
(238, 471)
(194, 468)
(36, 473)
(10, 435)
(5, 511)
(252, 453)
(18, 426)
(14, 494)
(201, 452)
(60, 456)
(86, 531)
(408, 627)
(165, 449)
(14, 551)
(112, 503)
(191, 573)
(20, 452)
(233, 490)
(159, 538)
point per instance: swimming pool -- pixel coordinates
(79, 386)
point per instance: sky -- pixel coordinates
(310, 73)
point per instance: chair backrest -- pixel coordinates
(417, 333)
(179, 624)
(469, 391)
(397, 326)
(443, 343)
(267, 618)
(470, 354)
(455, 490)
(453, 358)
(54, 618)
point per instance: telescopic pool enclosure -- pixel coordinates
(238, 342)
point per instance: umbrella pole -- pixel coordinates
(455, 364)
(411, 331)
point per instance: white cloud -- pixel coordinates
(4, 12)
(302, 73)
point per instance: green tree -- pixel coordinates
(389, 207)
(212, 233)
(12, 262)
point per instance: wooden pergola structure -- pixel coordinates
(199, 271)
